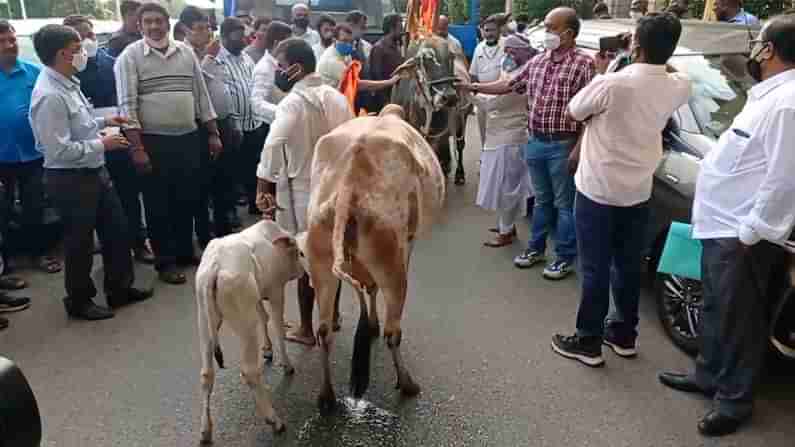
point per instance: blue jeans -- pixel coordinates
(554, 197)
(610, 240)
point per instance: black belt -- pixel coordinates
(78, 171)
(557, 136)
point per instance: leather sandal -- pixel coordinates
(172, 277)
(500, 240)
(497, 230)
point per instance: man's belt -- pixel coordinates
(557, 136)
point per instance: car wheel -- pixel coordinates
(679, 304)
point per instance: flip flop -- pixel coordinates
(306, 341)
(12, 283)
(49, 264)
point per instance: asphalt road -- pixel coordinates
(476, 337)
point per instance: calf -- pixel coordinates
(236, 273)
(376, 185)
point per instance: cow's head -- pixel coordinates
(287, 253)
(431, 64)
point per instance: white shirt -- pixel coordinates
(506, 118)
(319, 49)
(311, 36)
(487, 62)
(308, 112)
(263, 98)
(622, 144)
(746, 186)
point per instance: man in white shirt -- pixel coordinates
(487, 63)
(301, 27)
(309, 111)
(743, 211)
(621, 148)
(264, 98)
(325, 26)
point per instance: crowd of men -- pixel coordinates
(189, 125)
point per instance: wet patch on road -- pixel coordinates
(354, 422)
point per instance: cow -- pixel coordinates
(428, 95)
(376, 186)
(236, 273)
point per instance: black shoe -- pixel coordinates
(587, 350)
(682, 382)
(716, 424)
(89, 311)
(623, 346)
(11, 304)
(172, 277)
(132, 295)
(3, 323)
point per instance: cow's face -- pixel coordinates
(431, 62)
(288, 253)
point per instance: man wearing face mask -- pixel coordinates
(301, 27)
(129, 31)
(98, 84)
(256, 49)
(309, 111)
(76, 179)
(743, 212)
(163, 94)
(731, 11)
(487, 63)
(326, 26)
(504, 178)
(551, 80)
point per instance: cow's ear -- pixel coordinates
(284, 241)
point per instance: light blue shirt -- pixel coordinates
(64, 125)
(744, 18)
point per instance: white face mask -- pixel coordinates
(635, 15)
(551, 41)
(90, 46)
(159, 44)
(80, 60)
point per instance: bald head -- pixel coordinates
(443, 26)
(565, 23)
(301, 16)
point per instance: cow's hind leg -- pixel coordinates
(267, 347)
(251, 370)
(208, 340)
(325, 288)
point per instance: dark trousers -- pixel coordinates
(610, 247)
(218, 180)
(250, 151)
(128, 187)
(86, 202)
(740, 285)
(171, 191)
(27, 177)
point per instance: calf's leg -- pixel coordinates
(277, 307)
(208, 344)
(267, 347)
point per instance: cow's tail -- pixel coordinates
(207, 291)
(343, 235)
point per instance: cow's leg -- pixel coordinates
(251, 370)
(277, 307)
(325, 288)
(460, 142)
(267, 347)
(375, 328)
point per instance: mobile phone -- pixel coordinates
(611, 44)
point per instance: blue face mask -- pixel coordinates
(344, 48)
(509, 64)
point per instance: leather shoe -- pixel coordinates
(132, 295)
(88, 311)
(682, 382)
(716, 424)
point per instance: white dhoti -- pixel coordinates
(504, 184)
(296, 202)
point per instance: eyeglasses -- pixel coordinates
(753, 42)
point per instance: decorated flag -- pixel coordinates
(421, 17)
(350, 82)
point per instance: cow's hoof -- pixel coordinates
(289, 370)
(409, 388)
(268, 355)
(206, 439)
(327, 403)
(460, 180)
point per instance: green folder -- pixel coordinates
(681, 255)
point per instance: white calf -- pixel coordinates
(236, 273)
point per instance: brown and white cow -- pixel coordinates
(376, 185)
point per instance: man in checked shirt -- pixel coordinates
(551, 80)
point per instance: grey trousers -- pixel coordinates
(740, 286)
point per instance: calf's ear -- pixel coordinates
(283, 241)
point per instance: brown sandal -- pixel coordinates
(500, 240)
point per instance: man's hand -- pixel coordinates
(394, 80)
(117, 121)
(574, 157)
(141, 161)
(216, 147)
(115, 142)
(464, 85)
(294, 71)
(213, 48)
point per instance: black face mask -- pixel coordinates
(521, 27)
(283, 81)
(754, 69)
(302, 22)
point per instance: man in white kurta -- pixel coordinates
(309, 111)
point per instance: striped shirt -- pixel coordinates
(239, 84)
(162, 93)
